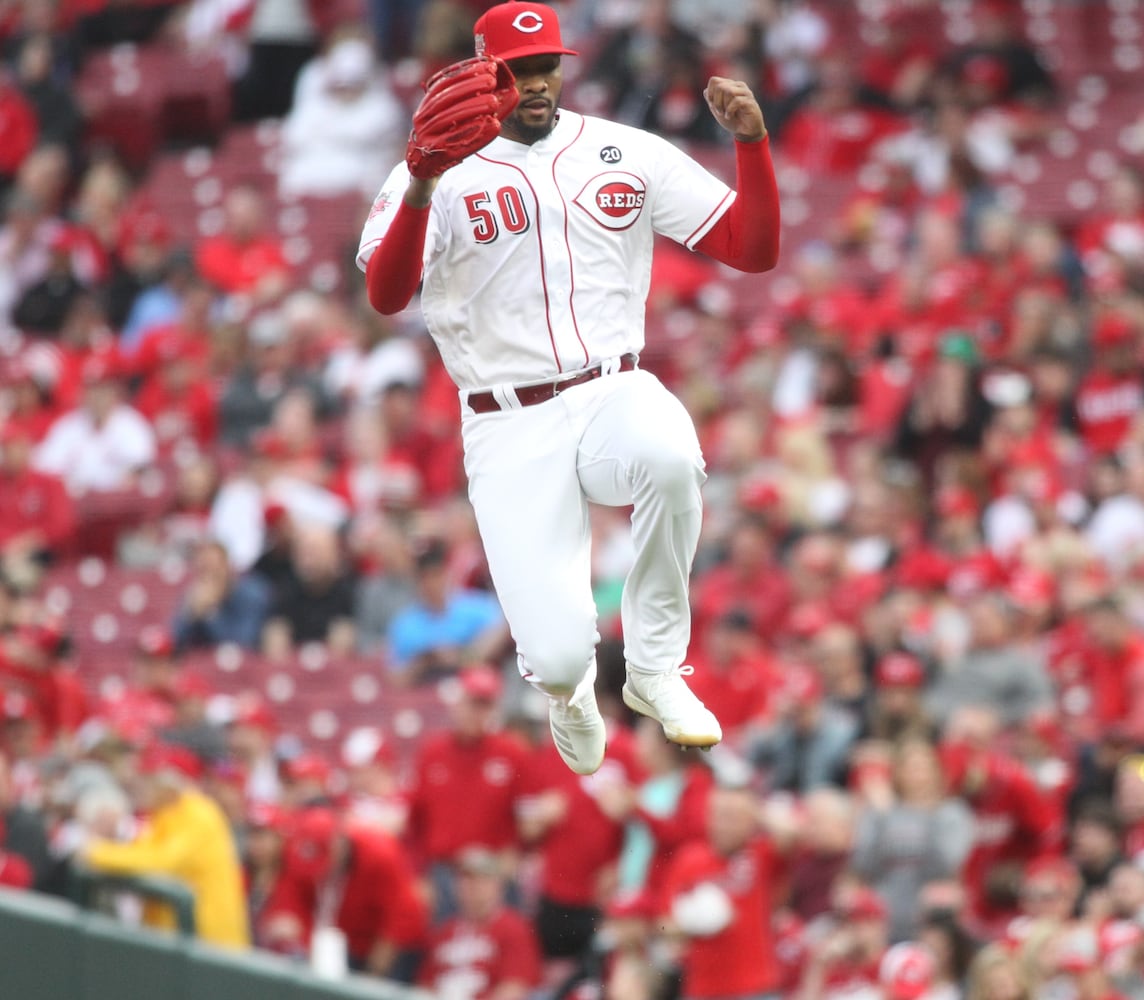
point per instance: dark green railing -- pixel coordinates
(51, 949)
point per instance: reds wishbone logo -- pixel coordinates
(528, 21)
(614, 199)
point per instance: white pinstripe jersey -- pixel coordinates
(538, 257)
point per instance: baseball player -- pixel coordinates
(531, 228)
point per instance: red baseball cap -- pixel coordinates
(907, 971)
(804, 685)
(516, 29)
(957, 501)
(166, 757)
(267, 816)
(862, 904)
(311, 846)
(808, 619)
(1031, 589)
(899, 669)
(1112, 330)
(45, 637)
(154, 640)
(308, 767)
(101, 366)
(192, 686)
(256, 714)
(481, 683)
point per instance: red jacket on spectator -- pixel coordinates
(739, 693)
(1115, 683)
(57, 695)
(578, 849)
(1014, 821)
(34, 501)
(18, 129)
(470, 959)
(740, 959)
(189, 413)
(1106, 405)
(464, 794)
(237, 268)
(380, 899)
(765, 596)
(836, 142)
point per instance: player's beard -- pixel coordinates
(528, 133)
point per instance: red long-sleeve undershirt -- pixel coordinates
(746, 237)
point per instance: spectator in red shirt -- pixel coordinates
(733, 676)
(847, 958)
(1111, 238)
(487, 951)
(32, 661)
(1015, 822)
(244, 260)
(1111, 395)
(577, 841)
(833, 132)
(37, 517)
(148, 703)
(180, 404)
(362, 881)
(822, 850)
(748, 580)
(374, 794)
(1113, 666)
(717, 892)
(465, 785)
(18, 128)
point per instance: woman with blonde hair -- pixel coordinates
(996, 974)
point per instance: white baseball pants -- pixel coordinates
(620, 439)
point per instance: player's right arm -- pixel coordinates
(393, 272)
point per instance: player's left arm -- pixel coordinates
(746, 237)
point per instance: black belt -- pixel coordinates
(541, 392)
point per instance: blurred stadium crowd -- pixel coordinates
(242, 590)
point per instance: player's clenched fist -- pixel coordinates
(735, 108)
(461, 112)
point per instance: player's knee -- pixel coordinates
(676, 473)
(559, 661)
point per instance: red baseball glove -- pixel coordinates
(460, 113)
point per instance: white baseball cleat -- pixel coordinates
(666, 698)
(578, 732)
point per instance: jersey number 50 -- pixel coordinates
(510, 208)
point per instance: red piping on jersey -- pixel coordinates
(540, 249)
(710, 216)
(571, 267)
(746, 236)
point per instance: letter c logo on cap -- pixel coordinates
(528, 21)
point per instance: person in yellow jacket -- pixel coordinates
(188, 838)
